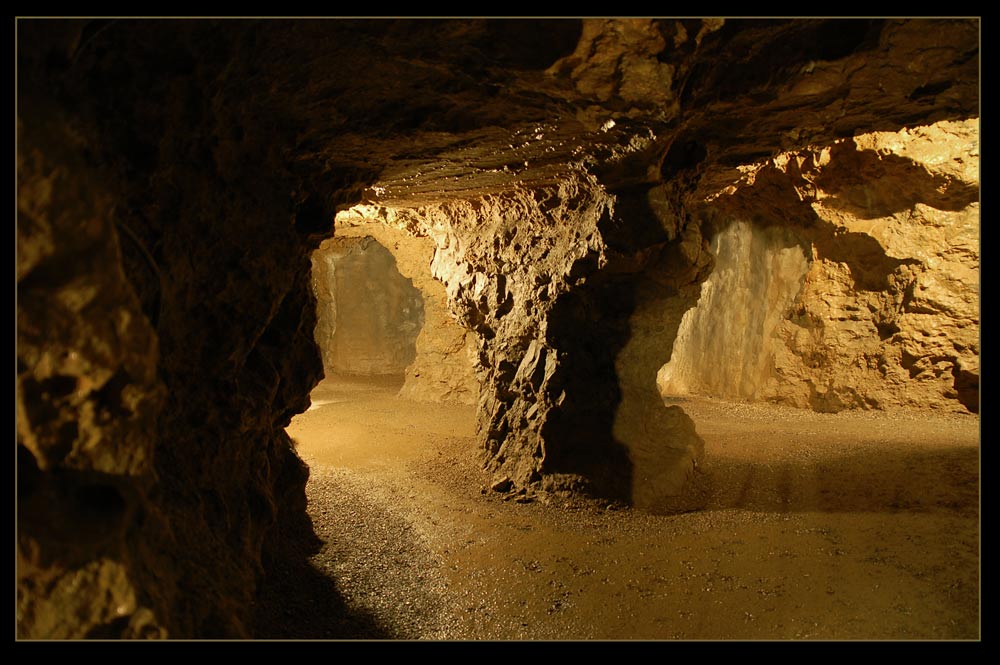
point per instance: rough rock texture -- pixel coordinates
(173, 470)
(87, 403)
(367, 314)
(885, 313)
(726, 343)
(442, 369)
(546, 352)
(557, 167)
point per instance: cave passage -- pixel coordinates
(368, 314)
(502, 242)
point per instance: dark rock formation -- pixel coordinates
(175, 176)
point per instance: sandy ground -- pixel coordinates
(818, 526)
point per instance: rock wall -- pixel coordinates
(175, 176)
(87, 404)
(567, 309)
(368, 315)
(442, 369)
(165, 338)
(886, 312)
(726, 344)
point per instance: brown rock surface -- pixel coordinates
(174, 178)
(873, 278)
(87, 403)
(367, 314)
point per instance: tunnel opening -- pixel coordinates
(368, 314)
(396, 393)
(388, 344)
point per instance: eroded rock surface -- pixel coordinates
(174, 178)
(871, 282)
(87, 404)
(368, 315)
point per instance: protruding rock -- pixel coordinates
(503, 485)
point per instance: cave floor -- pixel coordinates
(818, 526)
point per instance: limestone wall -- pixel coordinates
(725, 346)
(882, 308)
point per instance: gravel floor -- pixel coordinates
(817, 526)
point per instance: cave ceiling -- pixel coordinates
(430, 110)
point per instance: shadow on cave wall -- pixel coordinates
(369, 315)
(901, 183)
(863, 255)
(611, 348)
(860, 183)
(589, 326)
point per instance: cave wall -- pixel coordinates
(442, 369)
(183, 347)
(87, 402)
(175, 176)
(368, 315)
(726, 343)
(504, 261)
(885, 314)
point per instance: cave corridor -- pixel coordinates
(497, 329)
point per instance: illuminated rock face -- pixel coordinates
(368, 315)
(554, 178)
(725, 345)
(865, 296)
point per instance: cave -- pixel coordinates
(497, 329)
(368, 314)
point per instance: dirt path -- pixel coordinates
(819, 526)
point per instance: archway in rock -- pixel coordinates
(396, 393)
(388, 344)
(368, 315)
(382, 313)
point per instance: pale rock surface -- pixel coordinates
(887, 312)
(368, 315)
(725, 345)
